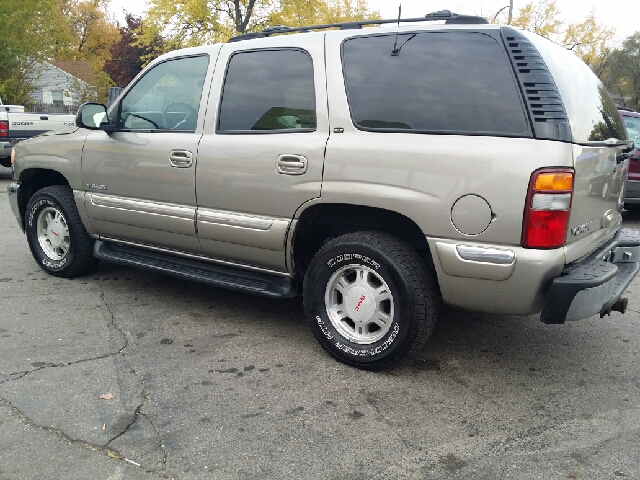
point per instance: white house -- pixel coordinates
(60, 84)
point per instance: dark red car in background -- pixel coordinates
(632, 122)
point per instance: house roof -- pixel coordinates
(80, 69)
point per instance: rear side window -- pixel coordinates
(268, 91)
(441, 82)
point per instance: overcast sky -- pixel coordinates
(624, 15)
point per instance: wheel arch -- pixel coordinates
(34, 179)
(320, 222)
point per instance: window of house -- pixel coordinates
(57, 98)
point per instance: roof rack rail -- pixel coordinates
(446, 15)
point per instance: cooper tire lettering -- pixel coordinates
(324, 328)
(346, 257)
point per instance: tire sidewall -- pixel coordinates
(388, 347)
(34, 208)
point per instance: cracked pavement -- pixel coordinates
(208, 383)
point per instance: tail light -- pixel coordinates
(4, 128)
(546, 213)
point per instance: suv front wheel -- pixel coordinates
(57, 238)
(369, 299)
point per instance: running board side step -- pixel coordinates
(235, 279)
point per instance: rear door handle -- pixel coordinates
(289, 164)
(180, 158)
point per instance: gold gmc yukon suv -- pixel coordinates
(372, 170)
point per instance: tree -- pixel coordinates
(29, 32)
(126, 55)
(92, 32)
(541, 18)
(622, 75)
(588, 39)
(591, 41)
(183, 23)
(300, 13)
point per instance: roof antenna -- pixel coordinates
(395, 52)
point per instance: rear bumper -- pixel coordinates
(594, 284)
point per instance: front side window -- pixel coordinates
(268, 91)
(441, 82)
(167, 97)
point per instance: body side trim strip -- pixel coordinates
(230, 219)
(104, 201)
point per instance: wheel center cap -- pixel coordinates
(56, 234)
(360, 303)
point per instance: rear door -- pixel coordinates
(140, 180)
(262, 153)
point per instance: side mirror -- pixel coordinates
(92, 116)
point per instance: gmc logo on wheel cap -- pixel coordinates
(362, 298)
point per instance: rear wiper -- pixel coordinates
(396, 51)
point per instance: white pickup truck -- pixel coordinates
(15, 125)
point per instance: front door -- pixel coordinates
(262, 152)
(140, 180)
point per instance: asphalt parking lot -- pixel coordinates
(202, 383)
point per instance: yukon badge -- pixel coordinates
(96, 186)
(581, 229)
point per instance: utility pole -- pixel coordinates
(510, 12)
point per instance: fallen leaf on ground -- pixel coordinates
(104, 427)
(106, 396)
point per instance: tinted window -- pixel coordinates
(268, 90)
(167, 97)
(633, 126)
(458, 82)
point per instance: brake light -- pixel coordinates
(546, 213)
(4, 128)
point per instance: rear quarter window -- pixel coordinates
(439, 82)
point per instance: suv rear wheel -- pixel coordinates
(57, 238)
(369, 299)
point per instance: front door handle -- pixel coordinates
(289, 164)
(180, 158)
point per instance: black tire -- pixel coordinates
(78, 257)
(382, 258)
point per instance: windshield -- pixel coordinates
(633, 126)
